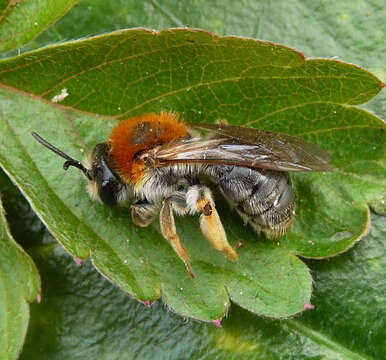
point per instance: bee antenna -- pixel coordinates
(69, 160)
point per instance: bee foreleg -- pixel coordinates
(199, 199)
(143, 213)
(168, 228)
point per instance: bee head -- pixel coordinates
(105, 183)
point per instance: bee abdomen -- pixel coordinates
(263, 199)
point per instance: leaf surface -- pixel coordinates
(205, 78)
(127, 329)
(19, 283)
(21, 21)
(348, 291)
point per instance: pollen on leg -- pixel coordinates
(199, 199)
(168, 229)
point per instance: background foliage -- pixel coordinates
(347, 289)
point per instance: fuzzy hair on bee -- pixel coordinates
(154, 164)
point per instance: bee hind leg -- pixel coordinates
(199, 199)
(168, 227)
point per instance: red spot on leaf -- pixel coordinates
(308, 306)
(217, 322)
(148, 303)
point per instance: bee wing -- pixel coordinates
(258, 149)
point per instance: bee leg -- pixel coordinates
(199, 199)
(168, 228)
(143, 213)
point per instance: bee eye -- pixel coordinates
(108, 183)
(109, 190)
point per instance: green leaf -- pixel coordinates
(349, 301)
(21, 21)
(347, 290)
(139, 260)
(243, 80)
(19, 283)
(70, 325)
(205, 78)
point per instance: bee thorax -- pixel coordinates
(159, 183)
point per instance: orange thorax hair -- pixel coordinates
(139, 134)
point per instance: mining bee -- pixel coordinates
(154, 164)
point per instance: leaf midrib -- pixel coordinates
(323, 340)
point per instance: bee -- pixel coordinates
(154, 164)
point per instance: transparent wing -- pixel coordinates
(258, 149)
